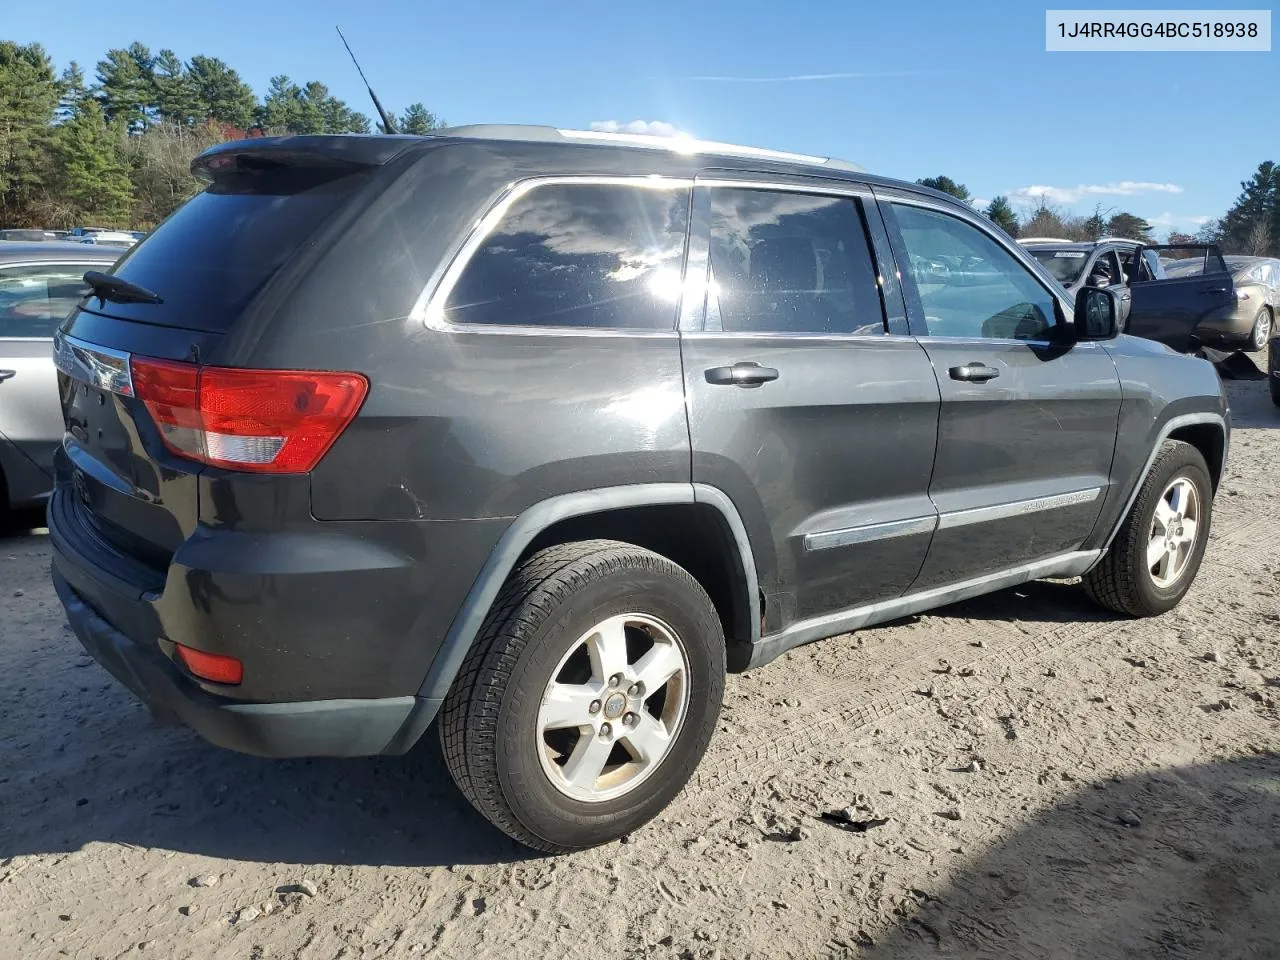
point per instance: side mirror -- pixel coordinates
(1097, 314)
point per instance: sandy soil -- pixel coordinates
(1054, 783)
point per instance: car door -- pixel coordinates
(1027, 425)
(1195, 284)
(809, 403)
(33, 298)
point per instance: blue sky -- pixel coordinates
(908, 89)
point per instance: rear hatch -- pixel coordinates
(132, 367)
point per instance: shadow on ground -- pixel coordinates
(20, 523)
(128, 781)
(1180, 863)
(1040, 601)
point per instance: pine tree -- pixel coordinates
(418, 120)
(220, 93)
(278, 112)
(1001, 214)
(946, 185)
(89, 175)
(176, 98)
(74, 91)
(1258, 206)
(126, 86)
(1129, 226)
(1095, 224)
(28, 101)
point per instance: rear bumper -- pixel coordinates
(330, 728)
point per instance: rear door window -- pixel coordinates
(784, 262)
(579, 255)
(34, 298)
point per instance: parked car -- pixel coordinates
(1176, 306)
(110, 238)
(540, 431)
(27, 235)
(1247, 323)
(39, 284)
(1273, 369)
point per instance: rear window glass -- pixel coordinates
(215, 253)
(34, 298)
(1063, 265)
(579, 255)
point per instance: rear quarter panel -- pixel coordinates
(460, 425)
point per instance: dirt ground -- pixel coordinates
(1053, 782)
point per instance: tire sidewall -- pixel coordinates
(675, 599)
(1185, 462)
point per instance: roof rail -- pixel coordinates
(1046, 240)
(1121, 240)
(677, 144)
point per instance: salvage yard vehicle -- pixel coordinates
(1181, 307)
(535, 433)
(1273, 369)
(40, 283)
(1247, 323)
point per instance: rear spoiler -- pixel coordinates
(341, 153)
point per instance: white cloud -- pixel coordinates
(656, 128)
(1067, 195)
(1177, 220)
(979, 203)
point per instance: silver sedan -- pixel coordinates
(39, 284)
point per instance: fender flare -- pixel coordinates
(1174, 423)
(533, 521)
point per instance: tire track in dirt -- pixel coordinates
(825, 715)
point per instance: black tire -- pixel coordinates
(1122, 581)
(1273, 368)
(489, 720)
(1257, 340)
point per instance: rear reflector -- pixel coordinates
(265, 421)
(211, 666)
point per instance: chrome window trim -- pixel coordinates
(429, 308)
(843, 188)
(775, 335)
(98, 366)
(1017, 508)
(1005, 341)
(846, 536)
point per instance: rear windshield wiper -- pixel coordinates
(117, 290)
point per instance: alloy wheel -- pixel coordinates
(1174, 529)
(613, 707)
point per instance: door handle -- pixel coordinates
(744, 373)
(1214, 290)
(974, 373)
(7, 374)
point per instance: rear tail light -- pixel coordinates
(265, 421)
(211, 666)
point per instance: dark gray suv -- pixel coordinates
(540, 432)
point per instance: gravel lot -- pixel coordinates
(1032, 779)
